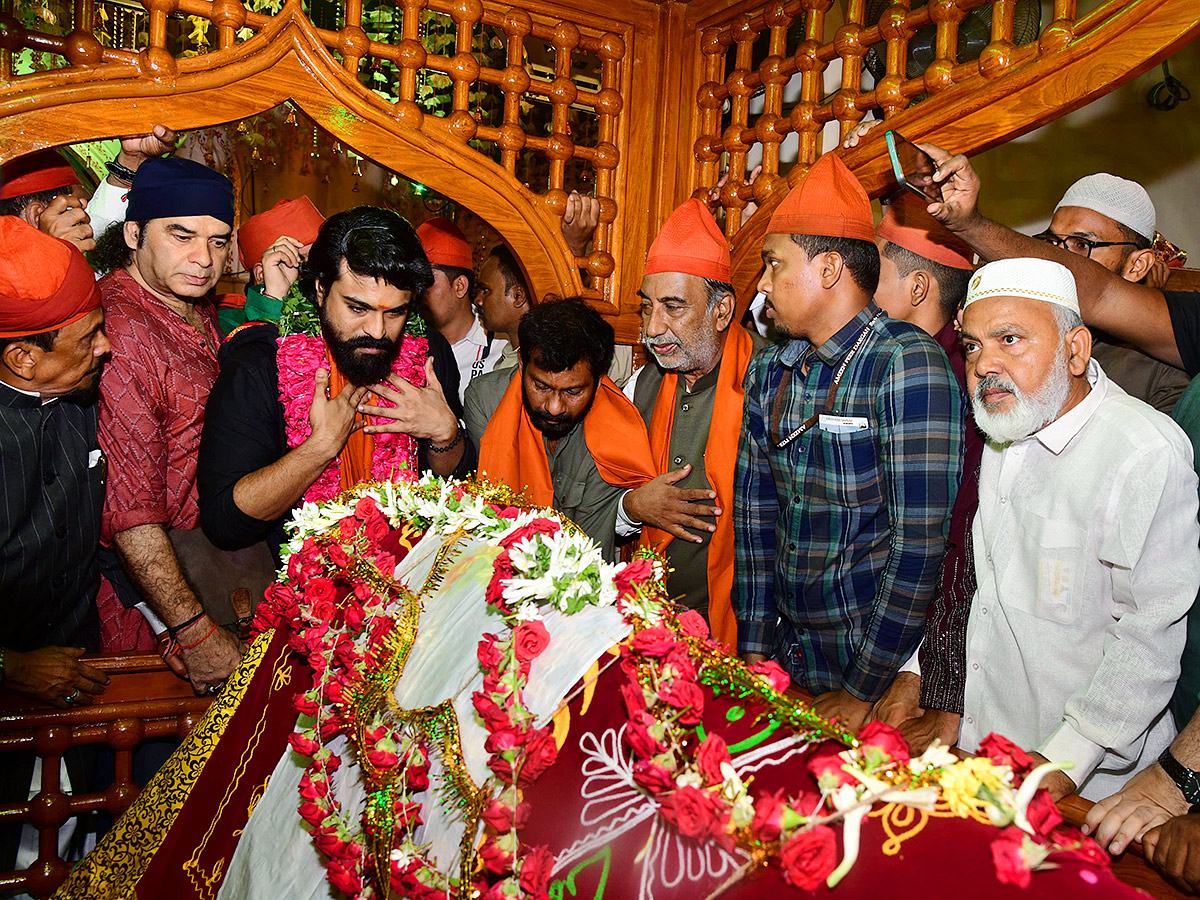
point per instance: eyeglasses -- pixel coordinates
(1079, 245)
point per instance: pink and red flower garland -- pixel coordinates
(395, 456)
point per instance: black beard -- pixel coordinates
(555, 428)
(85, 396)
(360, 369)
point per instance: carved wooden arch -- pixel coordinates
(287, 60)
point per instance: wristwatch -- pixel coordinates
(1187, 780)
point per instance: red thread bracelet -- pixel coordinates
(202, 640)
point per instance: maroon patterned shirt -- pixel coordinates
(152, 397)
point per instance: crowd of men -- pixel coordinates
(943, 491)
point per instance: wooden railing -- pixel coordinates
(144, 700)
(964, 106)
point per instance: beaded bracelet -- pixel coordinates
(120, 172)
(450, 446)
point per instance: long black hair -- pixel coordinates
(374, 243)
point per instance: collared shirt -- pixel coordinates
(51, 494)
(839, 536)
(1087, 561)
(152, 397)
(580, 491)
(476, 355)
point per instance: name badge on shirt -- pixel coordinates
(842, 424)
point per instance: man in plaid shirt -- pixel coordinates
(849, 461)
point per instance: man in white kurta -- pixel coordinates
(1085, 543)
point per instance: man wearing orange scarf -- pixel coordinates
(558, 428)
(690, 397)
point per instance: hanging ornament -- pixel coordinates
(337, 146)
(357, 169)
(242, 129)
(325, 178)
(255, 156)
(291, 118)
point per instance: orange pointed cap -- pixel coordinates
(295, 218)
(445, 244)
(906, 224)
(45, 283)
(690, 242)
(828, 201)
(37, 172)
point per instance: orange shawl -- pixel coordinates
(720, 457)
(358, 455)
(512, 449)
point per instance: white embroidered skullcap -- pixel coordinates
(1120, 199)
(1037, 279)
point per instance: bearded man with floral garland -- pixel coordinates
(291, 417)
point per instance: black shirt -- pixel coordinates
(1184, 307)
(244, 431)
(51, 496)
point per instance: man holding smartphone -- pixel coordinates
(849, 459)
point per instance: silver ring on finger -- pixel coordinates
(71, 697)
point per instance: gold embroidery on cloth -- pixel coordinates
(112, 870)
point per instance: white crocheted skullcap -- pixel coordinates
(1120, 199)
(1037, 279)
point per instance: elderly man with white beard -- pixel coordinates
(1085, 543)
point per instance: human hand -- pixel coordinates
(52, 675)
(579, 221)
(900, 702)
(137, 148)
(420, 411)
(849, 711)
(960, 184)
(1174, 849)
(1157, 276)
(660, 504)
(65, 217)
(281, 265)
(859, 132)
(333, 419)
(714, 193)
(752, 658)
(931, 725)
(211, 662)
(1146, 801)
(1057, 783)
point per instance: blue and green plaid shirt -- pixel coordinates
(840, 537)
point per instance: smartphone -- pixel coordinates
(913, 167)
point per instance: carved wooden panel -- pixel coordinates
(143, 700)
(117, 66)
(964, 106)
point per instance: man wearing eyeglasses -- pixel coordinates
(1111, 221)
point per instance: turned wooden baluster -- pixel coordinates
(772, 127)
(737, 137)
(229, 16)
(946, 14)
(709, 98)
(606, 156)
(517, 25)
(562, 93)
(1059, 32)
(463, 69)
(353, 42)
(80, 47)
(997, 55)
(851, 48)
(811, 63)
(893, 28)
(410, 59)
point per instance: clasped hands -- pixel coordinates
(419, 411)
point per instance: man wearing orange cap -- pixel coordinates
(557, 427)
(690, 398)
(447, 302)
(52, 346)
(923, 277)
(44, 190)
(848, 463)
(271, 247)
